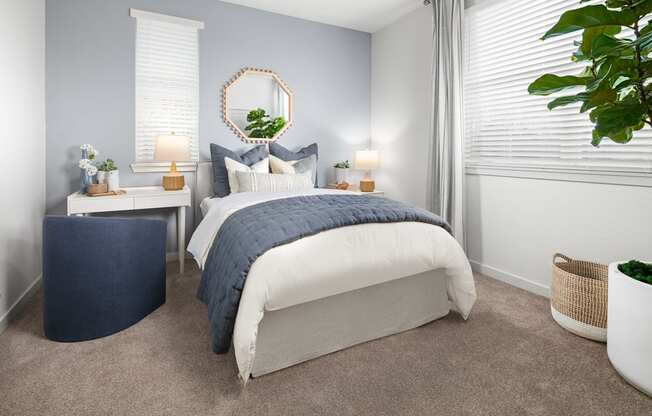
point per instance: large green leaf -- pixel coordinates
(605, 45)
(591, 34)
(591, 17)
(618, 120)
(550, 83)
(598, 98)
(567, 100)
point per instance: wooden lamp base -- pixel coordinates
(174, 181)
(367, 185)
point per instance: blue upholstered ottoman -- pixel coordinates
(100, 275)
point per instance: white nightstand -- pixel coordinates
(358, 191)
(374, 193)
(137, 198)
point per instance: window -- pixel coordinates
(505, 127)
(167, 81)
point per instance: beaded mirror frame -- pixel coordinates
(225, 105)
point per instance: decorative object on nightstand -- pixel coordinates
(87, 165)
(172, 148)
(97, 188)
(367, 160)
(108, 173)
(342, 172)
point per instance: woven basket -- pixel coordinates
(579, 296)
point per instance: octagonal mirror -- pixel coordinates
(257, 105)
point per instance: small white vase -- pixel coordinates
(341, 175)
(101, 176)
(629, 333)
(113, 180)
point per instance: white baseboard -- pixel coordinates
(510, 278)
(20, 303)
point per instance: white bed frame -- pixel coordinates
(299, 333)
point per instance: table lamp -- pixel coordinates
(367, 160)
(172, 148)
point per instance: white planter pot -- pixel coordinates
(341, 175)
(629, 332)
(101, 176)
(113, 179)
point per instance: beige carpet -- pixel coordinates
(510, 358)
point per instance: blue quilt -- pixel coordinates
(250, 232)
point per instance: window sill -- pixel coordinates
(153, 167)
(565, 174)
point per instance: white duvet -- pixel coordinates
(330, 263)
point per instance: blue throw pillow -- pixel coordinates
(220, 175)
(288, 155)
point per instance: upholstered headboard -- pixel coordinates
(204, 186)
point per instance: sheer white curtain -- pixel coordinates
(446, 156)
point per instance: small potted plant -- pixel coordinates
(342, 171)
(108, 173)
(629, 332)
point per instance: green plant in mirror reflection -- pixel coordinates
(262, 125)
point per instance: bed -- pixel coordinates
(334, 289)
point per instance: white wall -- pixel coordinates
(514, 225)
(401, 56)
(22, 157)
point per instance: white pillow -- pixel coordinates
(232, 167)
(280, 166)
(271, 182)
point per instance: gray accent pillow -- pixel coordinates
(308, 164)
(281, 152)
(220, 175)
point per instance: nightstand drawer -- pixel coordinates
(100, 204)
(162, 201)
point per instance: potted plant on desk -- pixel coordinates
(629, 331)
(108, 173)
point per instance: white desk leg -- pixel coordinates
(181, 236)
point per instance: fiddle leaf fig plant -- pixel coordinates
(263, 126)
(614, 86)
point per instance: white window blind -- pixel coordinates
(505, 126)
(167, 80)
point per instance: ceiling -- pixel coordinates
(364, 15)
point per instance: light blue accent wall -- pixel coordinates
(90, 81)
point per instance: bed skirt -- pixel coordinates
(300, 333)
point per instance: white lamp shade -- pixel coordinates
(172, 148)
(367, 159)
